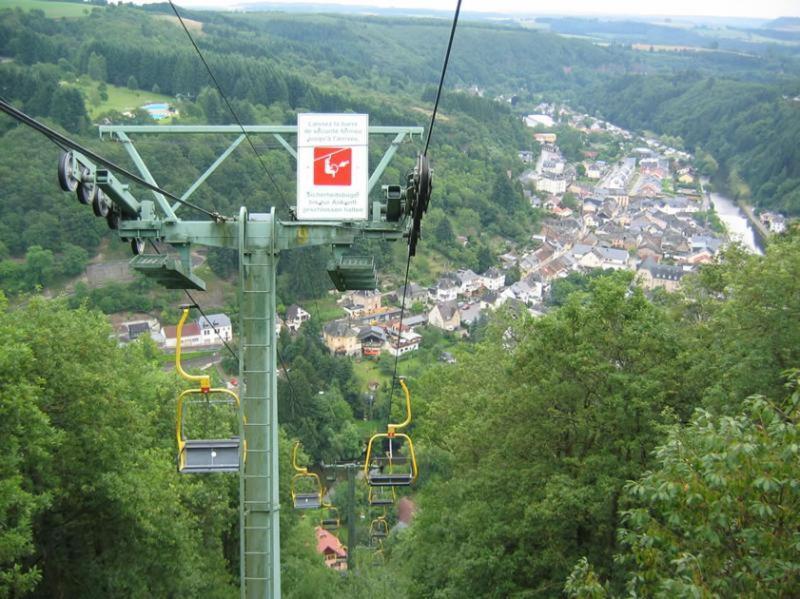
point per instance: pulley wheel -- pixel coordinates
(66, 179)
(87, 190)
(100, 204)
(424, 185)
(112, 218)
(137, 246)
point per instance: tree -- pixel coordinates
(444, 232)
(717, 515)
(27, 440)
(73, 260)
(68, 109)
(570, 200)
(97, 68)
(132, 83)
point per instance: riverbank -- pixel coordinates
(760, 231)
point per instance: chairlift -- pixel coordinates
(203, 456)
(330, 518)
(306, 487)
(381, 496)
(392, 469)
(378, 529)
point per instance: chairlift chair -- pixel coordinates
(381, 496)
(202, 456)
(306, 487)
(391, 469)
(378, 529)
(330, 518)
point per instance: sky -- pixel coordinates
(766, 9)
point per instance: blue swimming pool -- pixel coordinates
(158, 110)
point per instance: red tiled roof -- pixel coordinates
(328, 542)
(189, 330)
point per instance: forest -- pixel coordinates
(623, 444)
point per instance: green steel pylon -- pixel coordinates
(259, 239)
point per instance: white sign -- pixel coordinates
(332, 166)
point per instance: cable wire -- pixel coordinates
(62, 141)
(228, 104)
(399, 336)
(424, 153)
(441, 79)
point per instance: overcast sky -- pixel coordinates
(767, 9)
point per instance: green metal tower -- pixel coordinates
(259, 240)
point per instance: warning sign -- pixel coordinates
(332, 167)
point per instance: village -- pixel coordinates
(647, 213)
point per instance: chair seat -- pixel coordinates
(203, 456)
(390, 480)
(307, 501)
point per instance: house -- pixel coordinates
(594, 170)
(220, 322)
(494, 279)
(191, 336)
(372, 340)
(652, 275)
(359, 303)
(527, 291)
(409, 322)
(469, 282)
(705, 242)
(331, 549)
(341, 339)
(445, 315)
(699, 257)
(413, 293)
(295, 316)
(612, 257)
(132, 330)
(545, 138)
(406, 341)
(445, 290)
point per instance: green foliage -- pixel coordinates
(89, 477)
(717, 515)
(544, 437)
(318, 397)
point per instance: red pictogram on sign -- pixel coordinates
(333, 166)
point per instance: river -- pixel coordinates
(739, 228)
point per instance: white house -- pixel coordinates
(603, 257)
(295, 317)
(526, 291)
(221, 322)
(444, 291)
(191, 336)
(409, 341)
(494, 279)
(470, 282)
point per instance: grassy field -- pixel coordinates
(51, 9)
(324, 308)
(119, 98)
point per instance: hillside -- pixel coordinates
(626, 439)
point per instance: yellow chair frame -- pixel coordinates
(205, 390)
(304, 501)
(390, 480)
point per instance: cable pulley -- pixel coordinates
(419, 195)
